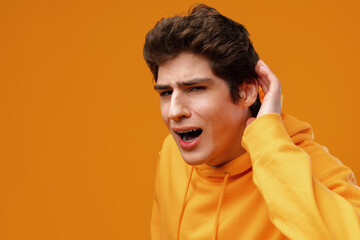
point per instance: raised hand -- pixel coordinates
(271, 87)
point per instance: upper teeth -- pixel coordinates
(193, 130)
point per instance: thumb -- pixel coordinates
(250, 120)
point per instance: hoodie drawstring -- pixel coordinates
(183, 205)
(219, 205)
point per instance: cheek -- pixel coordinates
(224, 119)
(164, 112)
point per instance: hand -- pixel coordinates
(271, 88)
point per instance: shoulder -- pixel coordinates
(325, 167)
(169, 146)
(170, 158)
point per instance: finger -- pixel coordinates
(263, 85)
(264, 64)
(264, 74)
(264, 82)
(265, 70)
(268, 77)
(261, 70)
(257, 67)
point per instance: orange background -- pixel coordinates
(80, 125)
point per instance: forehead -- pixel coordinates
(184, 66)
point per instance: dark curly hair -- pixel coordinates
(205, 32)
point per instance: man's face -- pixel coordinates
(197, 109)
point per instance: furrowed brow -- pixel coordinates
(159, 87)
(195, 81)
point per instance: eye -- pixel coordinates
(196, 89)
(166, 93)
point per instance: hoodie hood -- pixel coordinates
(297, 130)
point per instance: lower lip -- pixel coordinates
(189, 145)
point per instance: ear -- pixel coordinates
(248, 92)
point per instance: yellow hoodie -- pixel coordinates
(284, 186)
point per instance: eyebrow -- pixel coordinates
(189, 82)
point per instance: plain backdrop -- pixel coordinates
(80, 125)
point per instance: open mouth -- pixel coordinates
(191, 135)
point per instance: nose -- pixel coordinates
(179, 108)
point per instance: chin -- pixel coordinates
(192, 159)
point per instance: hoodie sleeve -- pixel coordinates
(302, 205)
(155, 216)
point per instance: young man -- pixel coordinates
(235, 168)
